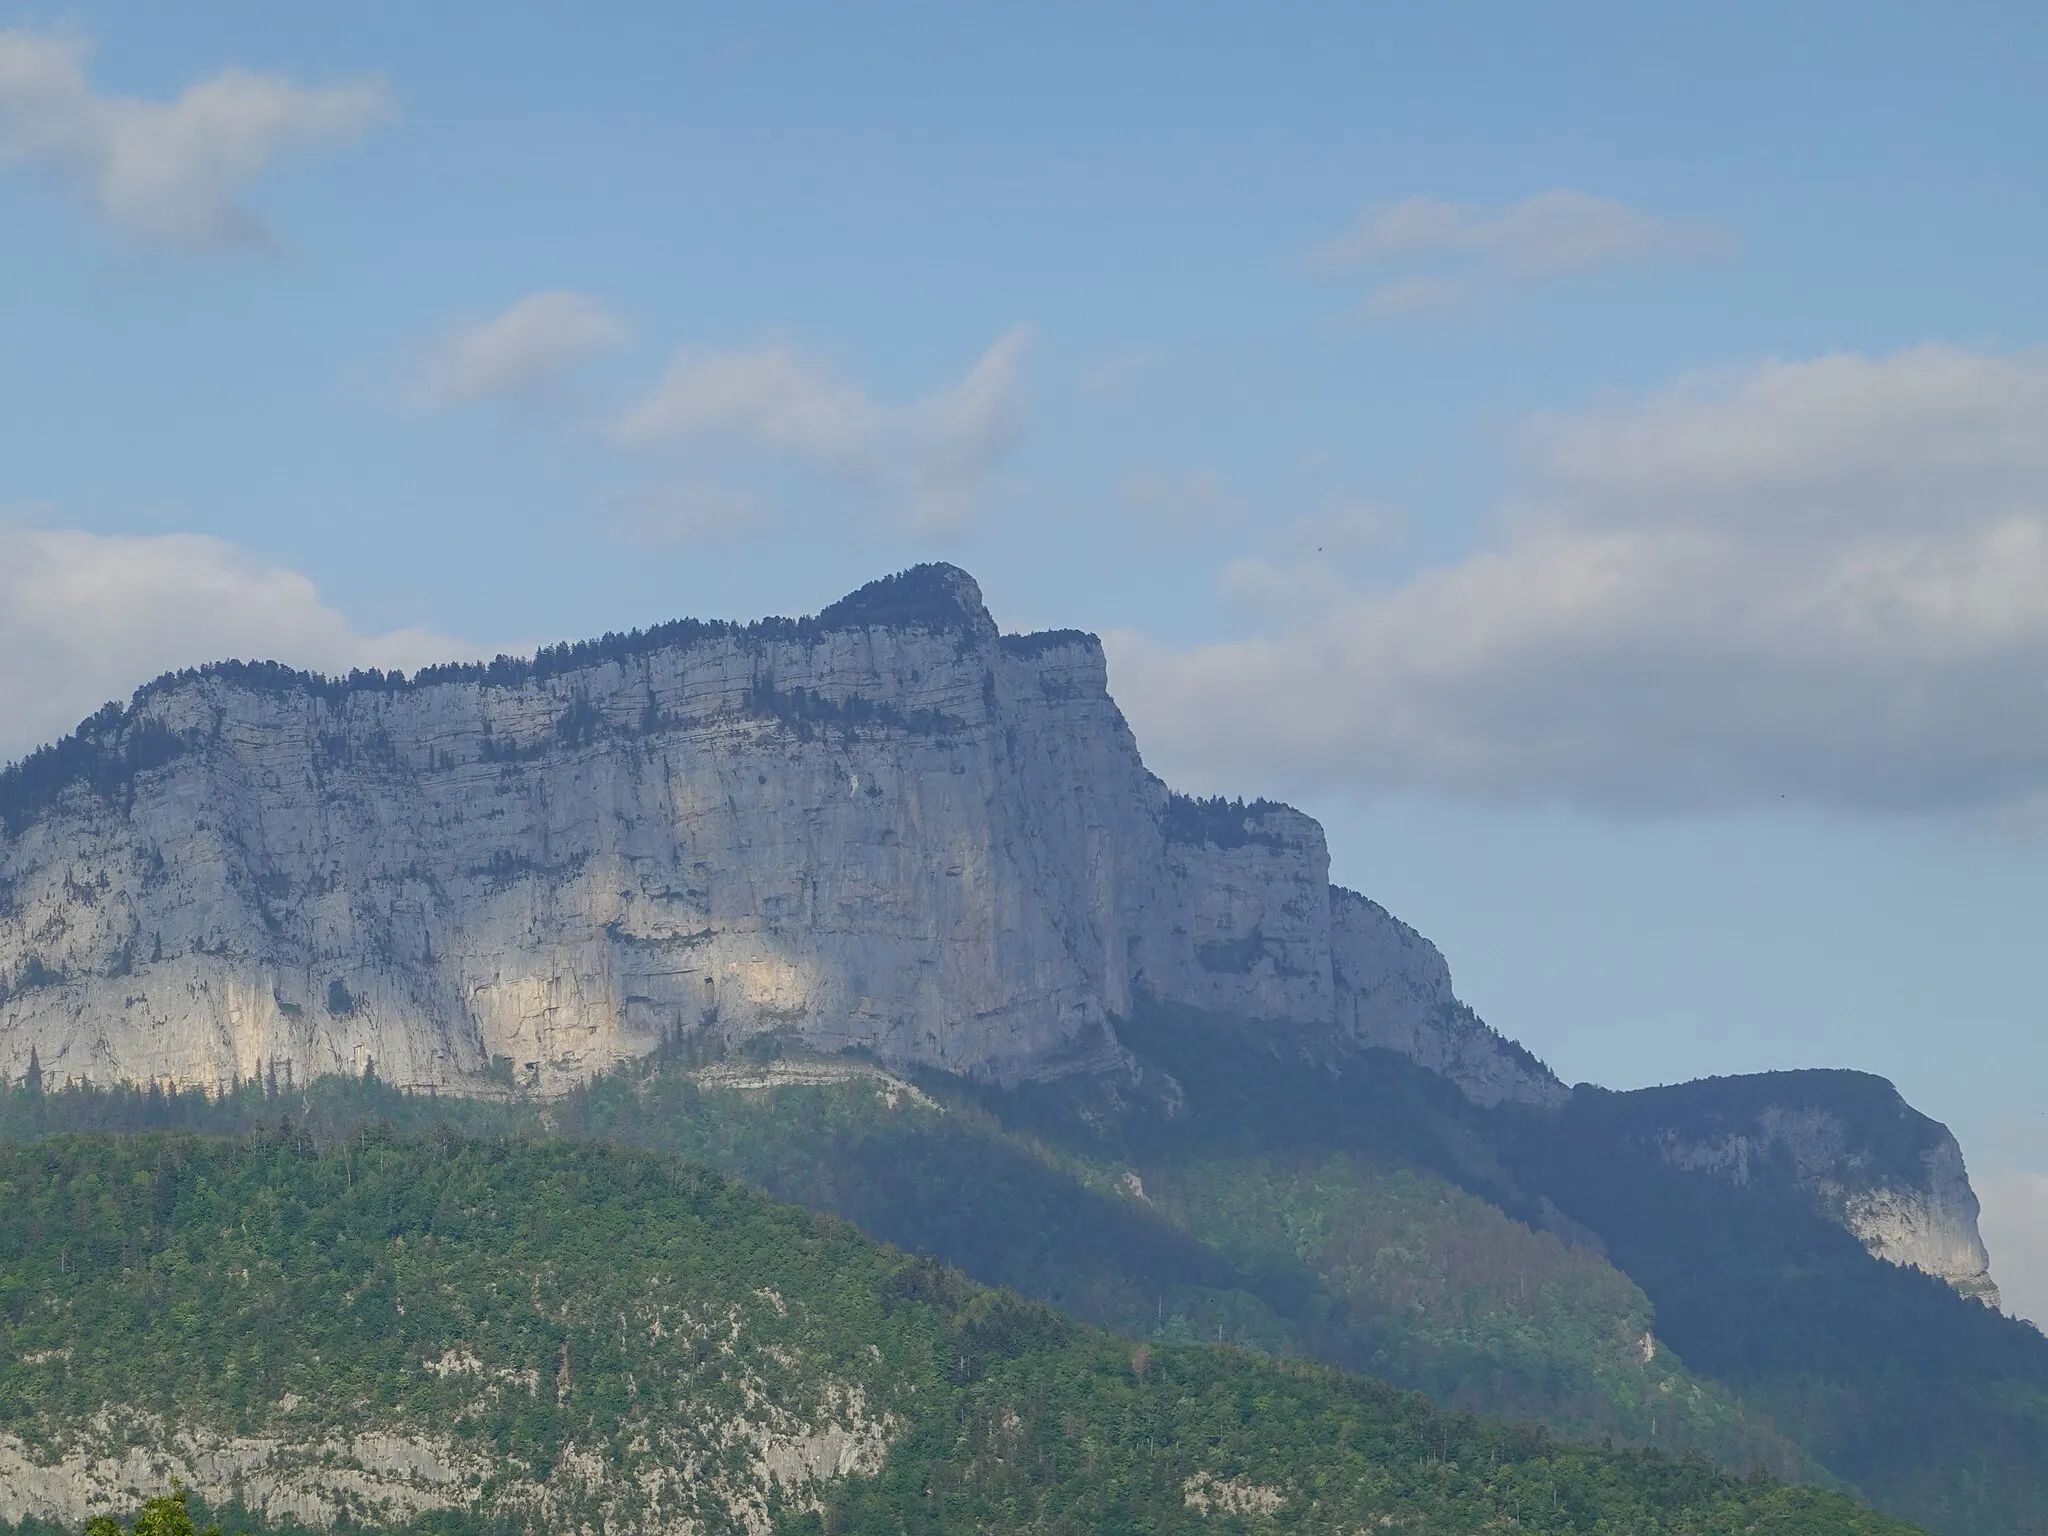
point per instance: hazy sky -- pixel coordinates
(1596, 457)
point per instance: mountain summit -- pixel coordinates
(887, 827)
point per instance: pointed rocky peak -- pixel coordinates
(937, 597)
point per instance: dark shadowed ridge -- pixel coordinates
(1877, 1119)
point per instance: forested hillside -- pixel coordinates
(1929, 1403)
(459, 1335)
(1371, 1220)
(1357, 1261)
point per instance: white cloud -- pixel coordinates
(773, 400)
(2015, 1226)
(521, 353)
(1457, 251)
(1823, 582)
(1312, 558)
(926, 463)
(88, 617)
(960, 435)
(164, 171)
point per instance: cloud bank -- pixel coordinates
(1454, 252)
(523, 353)
(1821, 582)
(164, 172)
(87, 617)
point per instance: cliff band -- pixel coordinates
(888, 827)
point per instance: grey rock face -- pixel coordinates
(888, 827)
(1891, 1176)
(1394, 991)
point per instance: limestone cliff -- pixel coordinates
(887, 827)
(1872, 1163)
(1394, 991)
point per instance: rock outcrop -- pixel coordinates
(888, 827)
(1394, 991)
(396, 1475)
(1870, 1161)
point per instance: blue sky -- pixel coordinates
(1592, 455)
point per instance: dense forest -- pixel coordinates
(1930, 1404)
(582, 1328)
(1495, 1262)
(1452, 1297)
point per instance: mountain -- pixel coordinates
(1924, 1399)
(462, 1336)
(887, 827)
(694, 887)
(1886, 1173)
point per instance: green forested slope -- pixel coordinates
(1364, 1264)
(1360, 1218)
(1931, 1404)
(1439, 1288)
(461, 1335)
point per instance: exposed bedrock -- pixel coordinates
(887, 827)
(1873, 1163)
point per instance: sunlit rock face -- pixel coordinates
(888, 827)
(1890, 1175)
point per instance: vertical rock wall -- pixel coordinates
(888, 828)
